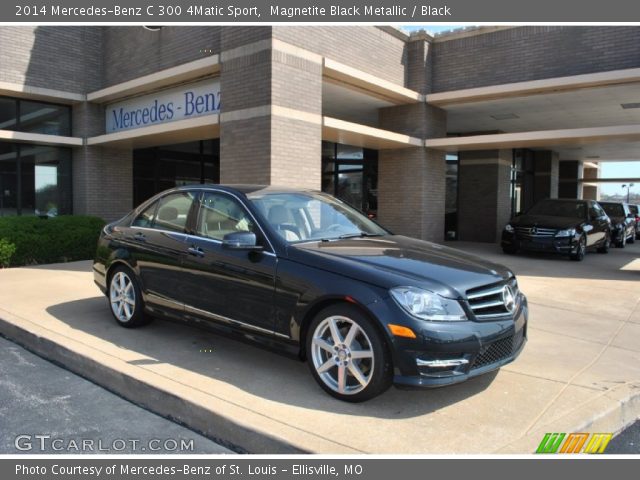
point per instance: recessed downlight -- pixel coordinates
(627, 106)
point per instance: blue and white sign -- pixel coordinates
(177, 103)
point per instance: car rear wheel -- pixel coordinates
(125, 299)
(347, 355)
(632, 238)
(622, 242)
(581, 250)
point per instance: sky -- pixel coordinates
(619, 170)
(431, 28)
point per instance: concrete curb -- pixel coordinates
(229, 432)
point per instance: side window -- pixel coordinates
(173, 211)
(146, 218)
(598, 210)
(221, 214)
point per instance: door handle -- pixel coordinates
(140, 237)
(196, 251)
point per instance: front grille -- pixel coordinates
(487, 302)
(499, 350)
(535, 232)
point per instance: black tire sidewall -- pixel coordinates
(383, 368)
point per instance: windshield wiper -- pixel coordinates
(359, 235)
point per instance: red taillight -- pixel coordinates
(637, 218)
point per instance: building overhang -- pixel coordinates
(40, 139)
(534, 87)
(545, 138)
(355, 134)
(180, 131)
(375, 86)
(20, 90)
(171, 76)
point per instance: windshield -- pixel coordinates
(554, 208)
(613, 209)
(307, 216)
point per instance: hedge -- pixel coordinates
(28, 240)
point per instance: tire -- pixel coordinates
(632, 239)
(622, 242)
(125, 299)
(331, 342)
(578, 256)
(604, 248)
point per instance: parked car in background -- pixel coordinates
(305, 273)
(635, 209)
(565, 226)
(623, 223)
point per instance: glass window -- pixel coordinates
(46, 118)
(613, 209)
(8, 179)
(310, 216)
(8, 113)
(35, 179)
(173, 211)
(221, 214)
(146, 218)
(559, 208)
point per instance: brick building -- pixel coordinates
(443, 136)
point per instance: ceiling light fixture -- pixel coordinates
(627, 106)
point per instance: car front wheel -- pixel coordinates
(125, 299)
(581, 250)
(347, 355)
(604, 248)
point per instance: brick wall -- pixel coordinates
(531, 53)
(369, 49)
(60, 58)
(132, 51)
(484, 203)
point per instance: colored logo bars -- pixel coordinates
(574, 443)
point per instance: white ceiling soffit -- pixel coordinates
(584, 108)
(347, 103)
(340, 131)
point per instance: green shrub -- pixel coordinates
(59, 239)
(7, 249)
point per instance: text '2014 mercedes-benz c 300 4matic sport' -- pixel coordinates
(305, 273)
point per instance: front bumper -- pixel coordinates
(445, 353)
(560, 245)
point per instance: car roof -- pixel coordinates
(245, 189)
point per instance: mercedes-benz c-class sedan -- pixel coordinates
(305, 273)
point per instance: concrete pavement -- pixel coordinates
(47, 409)
(579, 371)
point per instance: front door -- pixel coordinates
(226, 285)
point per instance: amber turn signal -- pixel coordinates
(400, 331)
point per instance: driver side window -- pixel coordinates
(221, 214)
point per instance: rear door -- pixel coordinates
(600, 223)
(157, 244)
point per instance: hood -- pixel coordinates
(395, 260)
(545, 221)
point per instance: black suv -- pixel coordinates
(305, 273)
(565, 226)
(623, 223)
(636, 212)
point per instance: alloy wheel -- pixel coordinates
(342, 355)
(122, 297)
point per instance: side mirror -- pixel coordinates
(240, 241)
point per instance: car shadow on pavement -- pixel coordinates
(79, 266)
(257, 371)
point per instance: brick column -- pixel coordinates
(546, 175)
(591, 192)
(270, 130)
(484, 200)
(569, 173)
(412, 181)
(102, 177)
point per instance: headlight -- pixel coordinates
(569, 232)
(508, 228)
(427, 305)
